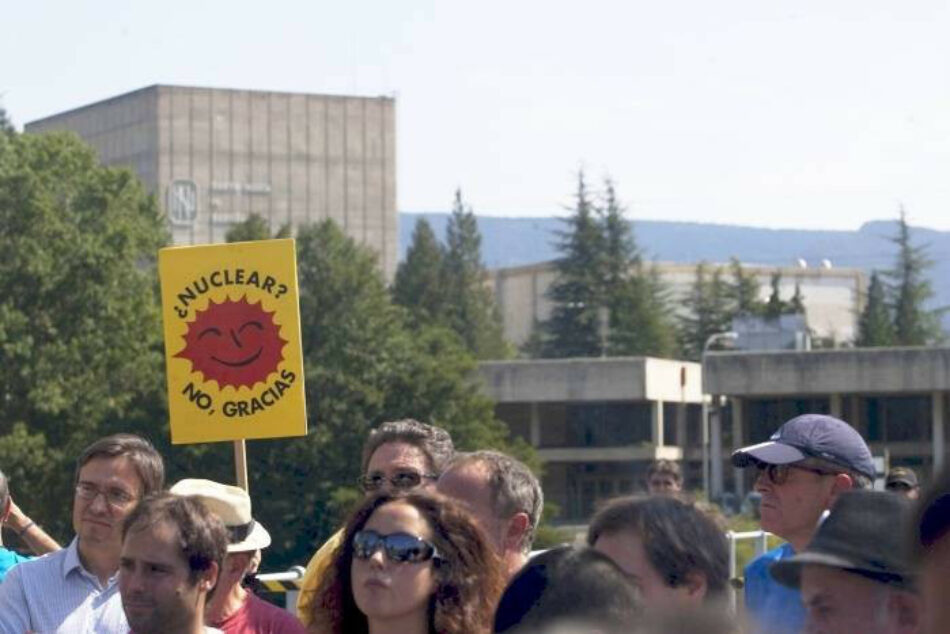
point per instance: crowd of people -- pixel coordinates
(441, 543)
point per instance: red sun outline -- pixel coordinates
(233, 343)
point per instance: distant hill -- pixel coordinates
(517, 241)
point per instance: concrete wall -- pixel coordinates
(868, 370)
(610, 379)
(289, 157)
(833, 297)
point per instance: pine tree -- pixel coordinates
(708, 310)
(469, 307)
(6, 126)
(775, 307)
(875, 328)
(633, 295)
(574, 328)
(419, 279)
(744, 290)
(910, 290)
(796, 304)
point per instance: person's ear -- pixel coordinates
(518, 525)
(210, 577)
(695, 586)
(842, 484)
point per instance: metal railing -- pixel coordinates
(761, 546)
(287, 582)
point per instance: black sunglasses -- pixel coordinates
(778, 473)
(399, 547)
(401, 480)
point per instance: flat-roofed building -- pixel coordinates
(215, 156)
(833, 297)
(597, 424)
(897, 398)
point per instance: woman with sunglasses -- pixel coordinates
(409, 564)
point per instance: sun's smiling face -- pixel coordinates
(234, 343)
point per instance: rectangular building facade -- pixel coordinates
(833, 298)
(216, 156)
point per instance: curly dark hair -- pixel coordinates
(470, 575)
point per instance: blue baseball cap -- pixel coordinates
(811, 436)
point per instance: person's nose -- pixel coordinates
(131, 580)
(763, 482)
(98, 503)
(378, 558)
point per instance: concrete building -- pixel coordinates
(215, 156)
(897, 398)
(833, 297)
(598, 423)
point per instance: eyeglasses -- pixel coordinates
(399, 547)
(116, 498)
(401, 480)
(778, 473)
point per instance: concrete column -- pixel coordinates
(535, 423)
(937, 420)
(656, 419)
(681, 426)
(737, 427)
(715, 449)
(834, 405)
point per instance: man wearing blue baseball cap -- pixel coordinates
(802, 469)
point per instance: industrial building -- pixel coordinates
(216, 156)
(833, 297)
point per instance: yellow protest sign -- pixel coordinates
(232, 341)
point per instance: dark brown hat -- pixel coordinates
(864, 534)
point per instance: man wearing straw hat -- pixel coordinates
(233, 608)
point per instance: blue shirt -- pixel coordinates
(8, 559)
(54, 593)
(772, 607)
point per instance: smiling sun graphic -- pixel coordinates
(234, 343)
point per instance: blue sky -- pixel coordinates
(810, 114)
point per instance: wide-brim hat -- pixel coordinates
(865, 534)
(232, 505)
(811, 436)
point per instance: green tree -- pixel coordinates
(469, 307)
(574, 328)
(6, 126)
(708, 310)
(910, 291)
(419, 283)
(744, 290)
(775, 306)
(634, 296)
(80, 326)
(875, 328)
(255, 227)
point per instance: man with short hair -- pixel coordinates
(664, 477)
(903, 481)
(398, 456)
(26, 529)
(930, 549)
(172, 551)
(674, 552)
(503, 495)
(234, 609)
(802, 469)
(74, 590)
(855, 575)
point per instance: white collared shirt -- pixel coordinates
(55, 594)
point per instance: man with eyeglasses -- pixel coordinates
(75, 590)
(398, 456)
(801, 471)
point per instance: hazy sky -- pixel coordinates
(809, 113)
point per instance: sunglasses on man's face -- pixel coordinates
(401, 480)
(399, 547)
(778, 473)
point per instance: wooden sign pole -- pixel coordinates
(240, 464)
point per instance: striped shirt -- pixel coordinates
(55, 594)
